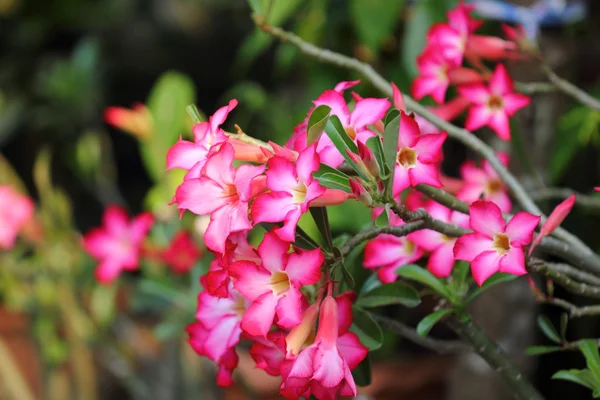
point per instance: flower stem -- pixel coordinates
(493, 354)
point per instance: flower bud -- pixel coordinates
(361, 193)
(369, 160)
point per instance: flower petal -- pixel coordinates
(513, 262)
(520, 228)
(441, 260)
(485, 265)
(258, 318)
(486, 218)
(304, 267)
(469, 246)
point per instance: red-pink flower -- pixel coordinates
(324, 367)
(441, 259)
(182, 253)
(484, 183)
(16, 210)
(222, 192)
(365, 112)
(495, 246)
(492, 105)
(273, 287)
(387, 253)
(597, 189)
(269, 352)
(117, 244)
(218, 331)
(292, 189)
(417, 157)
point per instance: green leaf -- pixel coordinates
(427, 323)
(167, 103)
(375, 145)
(347, 276)
(366, 328)
(374, 20)
(548, 329)
(383, 219)
(332, 178)
(539, 350)
(195, 114)
(391, 293)
(419, 274)
(319, 214)
(390, 116)
(304, 241)
(362, 373)
(589, 348)
(342, 142)
(564, 322)
(370, 283)
(582, 377)
(316, 123)
(255, 6)
(390, 149)
(493, 280)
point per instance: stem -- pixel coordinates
(522, 389)
(572, 309)
(565, 281)
(372, 233)
(437, 345)
(582, 200)
(444, 198)
(571, 90)
(429, 221)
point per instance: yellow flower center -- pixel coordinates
(299, 193)
(280, 283)
(495, 102)
(501, 243)
(351, 132)
(230, 192)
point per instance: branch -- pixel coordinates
(572, 309)
(462, 135)
(576, 274)
(535, 87)
(571, 90)
(581, 200)
(558, 248)
(437, 345)
(444, 198)
(428, 220)
(564, 280)
(372, 233)
(522, 389)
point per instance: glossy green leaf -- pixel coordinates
(375, 144)
(548, 329)
(582, 377)
(427, 323)
(419, 274)
(342, 142)
(316, 123)
(362, 373)
(383, 219)
(390, 116)
(390, 150)
(332, 178)
(391, 293)
(319, 214)
(589, 348)
(539, 350)
(375, 20)
(366, 328)
(493, 280)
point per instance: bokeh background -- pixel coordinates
(62, 62)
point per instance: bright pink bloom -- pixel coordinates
(117, 244)
(556, 218)
(387, 253)
(366, 112)
(218, 331)
(441, 259)
(222, 192)
(269, 352)
(136, 121)
(597, 189)
(494, 104)
(273, 287)
(16, 210)
(324, 367)
(360, 193)
(292, 191)
(217, 280)
(495, 246)
(484, 183)
(182, 253)
(417, 157)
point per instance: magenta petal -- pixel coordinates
(428, 239)
(243, 179)
(336, 102)
(272, 207)
(251, 280)
(281, 175)
(368, 111)
(221, 114)
(304, 268)
(273, 252)
(219, 165)
(425, 173)
(478, 116)
(485, 265)
(501, 82)
(308, 162)
(258, 318)
(218, 229)
(388, 274)
(140, 225)
(201, 196)
(401, 180)
(513, 262)
(352, 350)
(441, 261)
(288, 231)
(107, 271)
(409, 131)
(218, 341)
(469, 246)
(514, 102)
(520, 228)
(289, 309)
(429, 147)
(498, 121)
(383, 250)
(486, 218)
(185, 154)
(475, 93)
(329, 366)
(115, 220)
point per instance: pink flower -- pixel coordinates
(222, 192)
(273, 287)
(218, 331)
(597, 189)
(366, 112)
(16, 210)
(182, 253)
(117, 244)
(292, 190)
(494, 245)
(494, 104)
(484, 183)
(217, 280)
(389, 252)
(269, 352)
(441, 259)
(417, 157)
(554, 220)
(324, 367)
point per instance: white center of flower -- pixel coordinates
(299, 193)
(280, 283)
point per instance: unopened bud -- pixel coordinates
(361, 193)
(369, 160)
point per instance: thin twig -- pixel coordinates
(573, 310)
(437, 345)
(457, 133)
(372, 233)
(443, 198)
(576, 274)
(429, 221)
(535, 87)
(564, 280)
(581, 200)
(569, 89)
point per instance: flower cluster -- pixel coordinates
(490, 97)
